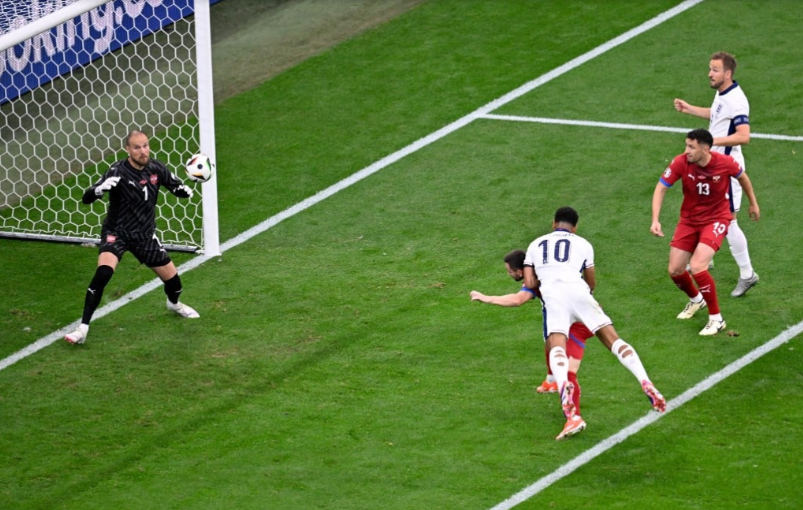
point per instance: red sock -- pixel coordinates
(548, 368)
(709, 289)
(576, 395)
(686, 284)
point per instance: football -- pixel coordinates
(200, 168)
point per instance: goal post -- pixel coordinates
(75, 77)
(206, 123)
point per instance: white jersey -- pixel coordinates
(729, 109)
(559, 256)
(558, 259)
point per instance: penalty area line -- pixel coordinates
(632, 429)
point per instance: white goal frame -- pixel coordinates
(59, 137)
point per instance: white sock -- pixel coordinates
(737, 243)
(83, 328)
(550, 378)
(559, 364)
(629, 358)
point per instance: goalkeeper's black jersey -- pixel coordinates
(132, 203)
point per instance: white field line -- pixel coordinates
(357, 177)
(615, 125)
(633, 428)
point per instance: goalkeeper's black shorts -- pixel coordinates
(148, 251)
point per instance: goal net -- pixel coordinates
(75, 78)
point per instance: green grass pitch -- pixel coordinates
(339, 362)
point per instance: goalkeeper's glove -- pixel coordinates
(183, 191)
(106, 185)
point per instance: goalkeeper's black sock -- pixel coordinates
(173, 288)
(95, 291)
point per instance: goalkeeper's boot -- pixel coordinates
(573, 426)
(182, 309)
(691, 309)
(547, 387)
(656, 399)
(78, 336)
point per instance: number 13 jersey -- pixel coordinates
(706, 190)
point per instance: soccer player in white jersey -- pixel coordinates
(561, 265)
(729, 118)
(578, 333)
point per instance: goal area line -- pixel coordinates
(616, 125)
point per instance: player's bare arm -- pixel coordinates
(747, 188)
(657, 202)
(740, 137)
(516, 299)
(698, 111)
(590, 276)
(530, 279)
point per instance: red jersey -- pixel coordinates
(706, 190)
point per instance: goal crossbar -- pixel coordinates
(47, 22)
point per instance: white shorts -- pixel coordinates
(736, 188)
(735, 195)
(566, 303)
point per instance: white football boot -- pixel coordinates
(182, 309)
(691, 309)
(78, 336)
(713, 327)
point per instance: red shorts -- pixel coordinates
(687, 237)
(576, 342)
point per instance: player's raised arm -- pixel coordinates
(175, 185)
(106, 183)
(698, 111)
(182, 191)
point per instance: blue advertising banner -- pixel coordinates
(78, 41)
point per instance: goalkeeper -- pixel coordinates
(130, 225)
